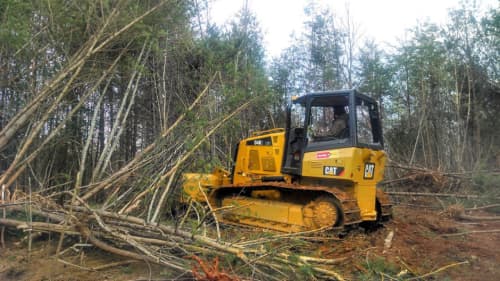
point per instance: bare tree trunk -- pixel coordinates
(135, 163)
(11, 174)
(74, 64)
(120, 122)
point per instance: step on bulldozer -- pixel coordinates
(318, 172)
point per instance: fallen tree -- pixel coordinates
(134, 238)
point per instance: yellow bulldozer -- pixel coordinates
(319, 172)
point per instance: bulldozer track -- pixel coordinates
(350, 212)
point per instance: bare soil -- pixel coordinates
(423, 242)
(420, 245)
(41, 264)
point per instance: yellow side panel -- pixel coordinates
(360, 165)
(259, 156)
(363, 167)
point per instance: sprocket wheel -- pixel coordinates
(326, 212)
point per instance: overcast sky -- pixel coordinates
(383, 20)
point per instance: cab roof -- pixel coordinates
(337, 97)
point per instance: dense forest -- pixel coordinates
(89, 87)
(114, 100)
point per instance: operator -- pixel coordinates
(339, 122)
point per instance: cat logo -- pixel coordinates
(333, 171)
(369, 171)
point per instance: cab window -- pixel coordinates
(367, 123)
(329, 121)
(298, 113)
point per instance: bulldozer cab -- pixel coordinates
(329, 120)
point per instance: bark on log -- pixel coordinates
(39, 226)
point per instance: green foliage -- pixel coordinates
(15, 24)
(293, 258)
(487, 184)
(232, 260)
(378, 267)
(313, 61)
(374, 73)
(126, 269)
(306, 272)
(18, 215)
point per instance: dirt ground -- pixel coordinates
(421, 244)
(15, 264)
